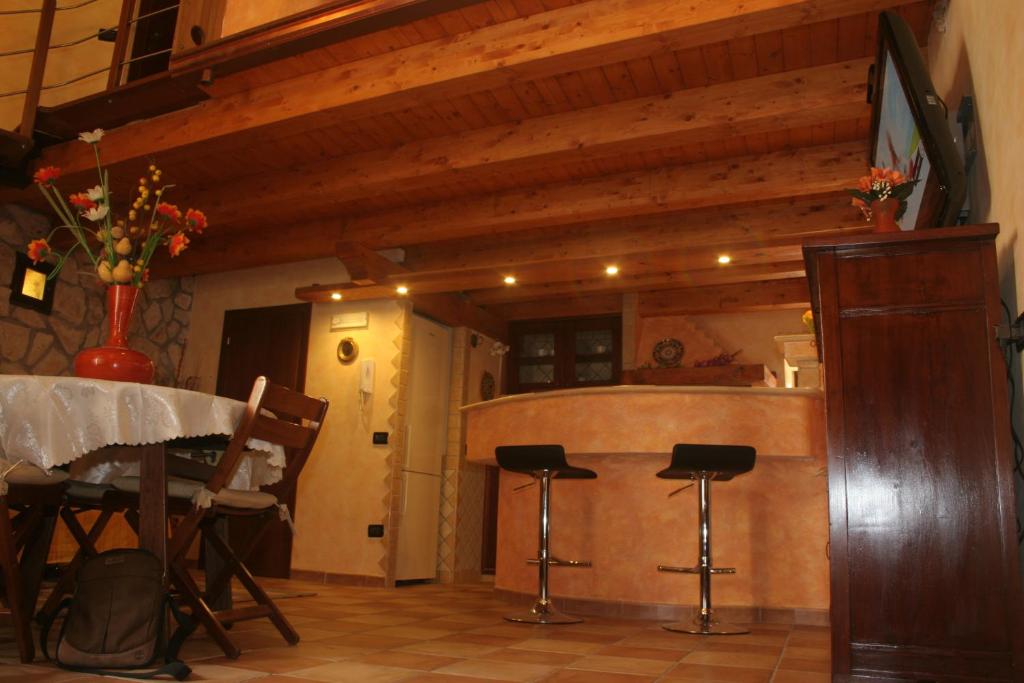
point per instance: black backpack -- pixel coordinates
(115, 620)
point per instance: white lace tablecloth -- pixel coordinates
(51, 421)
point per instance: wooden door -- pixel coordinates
(271, 342)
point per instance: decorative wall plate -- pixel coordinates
(668, 353)
(347, 350)
(487, 386)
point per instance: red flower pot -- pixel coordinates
(114, 360)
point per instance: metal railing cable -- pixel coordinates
(81, 40)
(37, 11)
(70, 43)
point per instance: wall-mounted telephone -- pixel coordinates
(366, 373)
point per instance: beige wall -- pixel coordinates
(345, 485)
(705, 336)
(981, 54)
(18, 31)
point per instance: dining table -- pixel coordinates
(105, 429)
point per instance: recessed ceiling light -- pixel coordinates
(510, 279)
(611, 270)
(336, 296)
(402, 290)
(724, 259)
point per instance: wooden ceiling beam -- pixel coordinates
(365, 266)
(809, 171)
(567, 39)
(720, 227)
(793, 99)
(458, 311)
(564, 307)
(639, 283)
(743, 297)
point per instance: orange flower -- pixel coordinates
(177, 243)
(169, 211)
(864, 184)
(859, 203)
(46, 175)
(877, 173)
(195, 220)
(38, 250)
(82, 201)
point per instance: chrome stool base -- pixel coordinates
(706, 627)
(543, 612)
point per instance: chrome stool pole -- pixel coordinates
(705, 623)
(543, 463)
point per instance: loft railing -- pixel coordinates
(122, 36)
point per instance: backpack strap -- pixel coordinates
(47, 622)
(186, 625)
(179, 670)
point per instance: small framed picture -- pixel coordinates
(29, 286)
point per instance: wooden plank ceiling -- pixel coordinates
(542, 139)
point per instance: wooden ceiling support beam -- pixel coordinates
(792, 99)
(809, 171)
(458, 311)
(571, 38)
(734, 298)
(365, 266)
(720, 227)
(639, 283)
(565, 307)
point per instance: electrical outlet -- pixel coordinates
(375, 531)
(380, 438)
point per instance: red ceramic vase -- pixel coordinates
(114, 360)
(883, 213)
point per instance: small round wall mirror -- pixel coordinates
(347, 350)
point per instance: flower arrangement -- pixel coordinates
(120, 249)
(879, 185)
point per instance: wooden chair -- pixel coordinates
(274, 414)
(34, 497)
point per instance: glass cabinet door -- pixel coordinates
(554, 354)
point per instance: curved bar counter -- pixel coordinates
(771, 524)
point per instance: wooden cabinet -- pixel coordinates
(558, 354)
(924, 576)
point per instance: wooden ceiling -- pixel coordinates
(543, 139)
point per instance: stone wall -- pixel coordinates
(33, 343)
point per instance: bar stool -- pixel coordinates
(706, 463)
(543, 463)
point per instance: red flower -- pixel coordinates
(169, 211)
(38, 250)
(82, 201)
(177, 243)
(196, 220)
(46, 175)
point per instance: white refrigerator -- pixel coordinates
(426, 439)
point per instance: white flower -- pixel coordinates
(97, 212)
(93, 137)
(95, 193)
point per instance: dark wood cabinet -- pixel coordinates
(923, 552)
(570, 352)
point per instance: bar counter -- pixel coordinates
(770, 524)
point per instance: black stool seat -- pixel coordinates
(720, 463)
(533, 459)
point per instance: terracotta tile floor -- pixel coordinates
(435, 633)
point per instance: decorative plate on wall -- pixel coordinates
(668, 353)
(487, 386)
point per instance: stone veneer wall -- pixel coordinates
(32, 343)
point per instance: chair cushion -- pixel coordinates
(26, 474)
(185, 488)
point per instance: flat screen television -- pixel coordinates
(909, 131)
